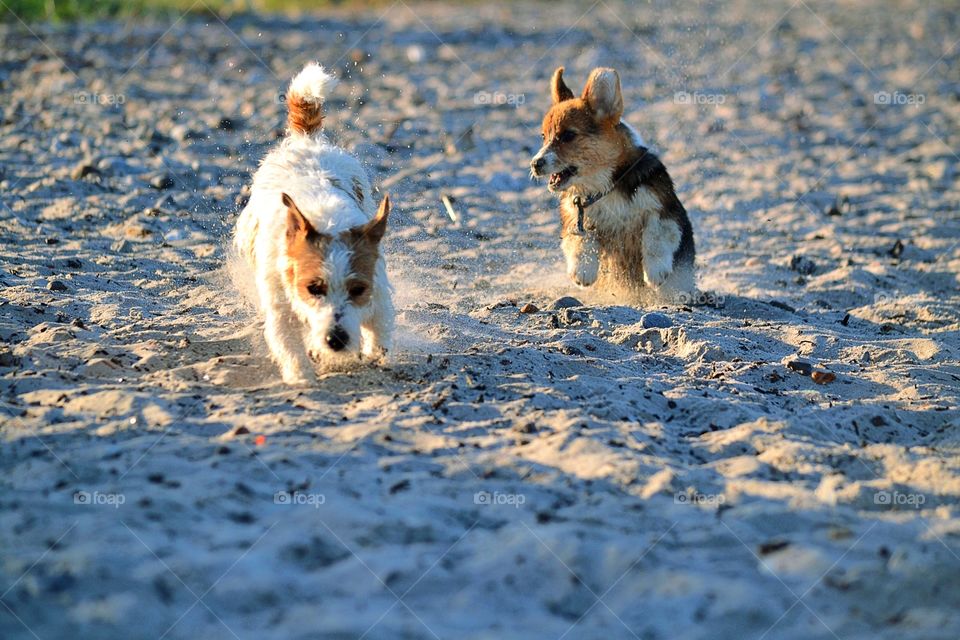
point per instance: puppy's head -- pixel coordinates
(580, 135)
(330, 279)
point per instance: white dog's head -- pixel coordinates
(330, 279)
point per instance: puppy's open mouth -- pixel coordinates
(560, 178)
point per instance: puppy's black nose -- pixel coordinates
(537, 165)
(338, 339)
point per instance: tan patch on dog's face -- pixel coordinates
(363, 264)
(364, 242)
(306, 250)
(571, 131)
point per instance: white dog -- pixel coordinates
(311, 233)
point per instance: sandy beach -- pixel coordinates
(588, 468)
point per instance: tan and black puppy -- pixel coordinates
(623, 227)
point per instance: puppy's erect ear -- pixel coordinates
(374, 230)
(297, 224)
(602, 94)
(559, 90)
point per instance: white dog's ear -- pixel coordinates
(602, 94)
(297, 224)
(559, 90)
(374, 230)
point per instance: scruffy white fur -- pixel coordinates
(332, 192)
(313, 83)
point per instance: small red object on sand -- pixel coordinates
(260, 440)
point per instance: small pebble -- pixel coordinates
(566, 302)
(803, 265)
(56, 285)
(655, 320)
(801, 367)
(529, 308)
(83, 170)
(162, 181)
(823, 377)
(228, 124)
(840, 206)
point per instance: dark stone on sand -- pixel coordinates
(56, 285)
(655, 320)
(566, 302)
(83, 170)
(800, 366)
(839, 207)
(162, 181)
(229, 124)
(803, 265)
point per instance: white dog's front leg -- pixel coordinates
(661, 238)
(583, 258)
(377, 332)
(282, 333)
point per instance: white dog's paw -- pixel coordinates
(298, 375)
(655, 273)
(376, 345)
(375, 352)
(583, 269)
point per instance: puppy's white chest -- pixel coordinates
(614, 214)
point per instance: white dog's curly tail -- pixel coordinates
(305, 99)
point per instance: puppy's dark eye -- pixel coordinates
(357, 290)
(318, 288)
(567, 136)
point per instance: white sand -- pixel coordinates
(633, 483)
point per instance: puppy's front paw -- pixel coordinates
(656, 272)
(583, 269)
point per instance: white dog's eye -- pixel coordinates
(318, 288)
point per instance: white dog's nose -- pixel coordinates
(338, 339)
(537, 164)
